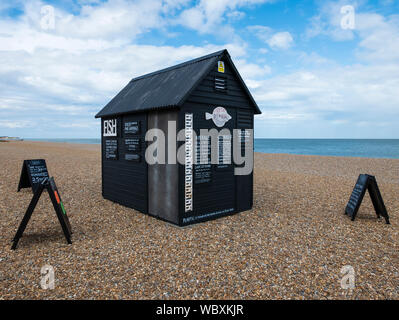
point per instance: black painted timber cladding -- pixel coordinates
(219, 194)
(226, 194)
(124, 181)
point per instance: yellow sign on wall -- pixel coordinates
(221, 66)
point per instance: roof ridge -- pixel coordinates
(181, 65)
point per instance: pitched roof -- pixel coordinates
(167, 87)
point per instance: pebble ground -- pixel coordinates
(291, 245)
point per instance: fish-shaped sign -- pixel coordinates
(219, 116)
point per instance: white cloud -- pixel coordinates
(314, 59)
(281, 40)
(60, 78)
(262, 32)
(113, 18)
(328, 21)
(252, 70)
(12, 124)
(235, 15)
(332, 99)
(357, 92)
(78, 124)
(276, 40)
(73, 71)
(379, 37)
(208, 16)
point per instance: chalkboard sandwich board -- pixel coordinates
(49, 184)
(366, 182)
(32, 174)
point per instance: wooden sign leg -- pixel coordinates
(64, 226)
(28, 214)
(376, 199)
(23, 179)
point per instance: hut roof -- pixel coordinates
(168, 87)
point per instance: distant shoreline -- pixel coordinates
(352, 148)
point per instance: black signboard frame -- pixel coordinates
(58, 205)
(27, 178)
(202, 174)
(133, 157)
(132, 127)
(132, 144)
(222, 142)
(365, 183)
(111, 149)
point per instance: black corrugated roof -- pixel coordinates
(167, 87)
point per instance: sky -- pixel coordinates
(317, 69)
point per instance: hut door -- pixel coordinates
(213, 185)
(244, 183)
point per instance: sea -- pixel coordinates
(366, 148)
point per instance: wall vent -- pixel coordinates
(221, 84)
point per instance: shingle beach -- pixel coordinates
(291, 245)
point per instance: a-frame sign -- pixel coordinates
(32, 174)
(366, 182)
(58, 205)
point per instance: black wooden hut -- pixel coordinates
(190, 94)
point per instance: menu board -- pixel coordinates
(111, 149)
(224, 151)
(203, 168)
(366, 182)
(357, 195)
(133, 144)
(132, 127)
(33, 173)
(245, 137)
(37, 170)
(202, 173)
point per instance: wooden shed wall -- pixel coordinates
(163, 192)
(123, 181)
(235, 96)
(227, 193)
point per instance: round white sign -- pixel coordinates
(219, 116)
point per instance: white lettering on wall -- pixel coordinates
(110, 128)
(188, 180)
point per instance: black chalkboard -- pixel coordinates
(111, 149)
(132, 127)
(224, 152)
(202, 173)
(132, 157)
(203, 168)
(366, 182)
(49, 184)
(32, 174)
(133, 144)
